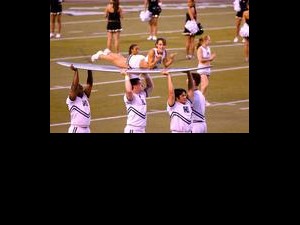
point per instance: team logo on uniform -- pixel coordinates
(143, 101)
(85, 103)
(186, 109)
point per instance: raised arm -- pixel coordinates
(75, 83)
(191, 86)
(89, 84)
(149, 84)
(128, 86)
(171, 94)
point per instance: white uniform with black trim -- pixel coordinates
(136, 113)
(181, 117)
(80, 113)
(164, 54)
(198, 116)
(133, 62)
(206, 53)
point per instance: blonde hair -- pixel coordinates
(201, 40)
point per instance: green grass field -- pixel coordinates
(82, 36)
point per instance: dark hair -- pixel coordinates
(134, 81)
(196, 77)
(161, 39)
(178, 92)
(116, 5)
(131, 47)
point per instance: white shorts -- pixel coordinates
(134, 61)
(205, 71)
(175, 131)
(132, 129)
(77, 129)
(199, 127)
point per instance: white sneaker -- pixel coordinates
(189, 57)
(106, 51)
(236, 39)
(51, 35)
(154, 38)
(207, 103)
(149, 38)
(57, 36)
(96, 56)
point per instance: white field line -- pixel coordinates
(137, 18)
(149, 113)
(104, 35)
(153, 77)
(139, 7)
